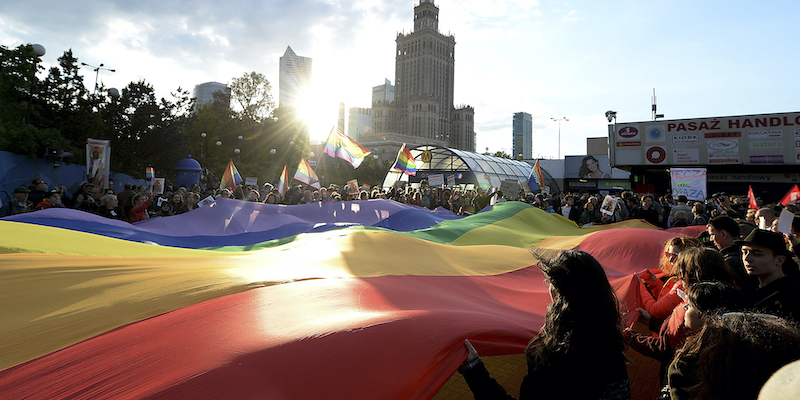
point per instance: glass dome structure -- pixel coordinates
(468, 168)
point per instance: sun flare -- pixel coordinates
(319, 109)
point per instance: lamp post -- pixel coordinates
(38, 51)
(219, 144)
(203, 146)
(559, 133)
(237, 152)
(97, 72)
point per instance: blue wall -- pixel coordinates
(17, 170)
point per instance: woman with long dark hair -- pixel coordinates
(578, 353)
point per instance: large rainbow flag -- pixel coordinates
(239, 300)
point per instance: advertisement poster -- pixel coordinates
(689, 182)
(587, 167)
(98, 157)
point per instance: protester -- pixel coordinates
(764, 254)
(659, 288)
(734, 355)
(724, 233)
(139, 210)
(19, 204)
(109, 207)
(705, 300)
(590, 215)
(694, 265)
(52, 200)
(583, 315)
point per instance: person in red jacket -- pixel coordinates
(53, 199)
(694, 265)
(139, 211)
(658, 289)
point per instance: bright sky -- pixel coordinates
(551, 59)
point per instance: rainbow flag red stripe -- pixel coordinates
(405, 162)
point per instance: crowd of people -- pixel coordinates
(722, 308)
(720, 311)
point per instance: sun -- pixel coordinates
(319, 109)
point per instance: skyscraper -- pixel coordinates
(424, 76)
(422, 111)
(383, 93)
(294, 76)
(523, 136)
(204, 92)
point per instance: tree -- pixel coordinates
(251, 95)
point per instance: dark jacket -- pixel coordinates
(781, 298)
(562, 379)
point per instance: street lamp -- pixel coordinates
(38, 51)
(219, 144)
(203, 146)
(559, 133)
(97, 72)
(237, 151)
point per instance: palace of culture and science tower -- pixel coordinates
(422, 110)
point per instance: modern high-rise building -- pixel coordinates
(294, 76)
(383, 93)
(204, 92)
(359, 123)
(422, 111)
(523, 136)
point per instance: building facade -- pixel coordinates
(294, 76)
(422, 110)
(523, 136)
(383, 93)
(359, 123)
(204, 92)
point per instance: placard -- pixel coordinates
(436, 180)
(689, 182)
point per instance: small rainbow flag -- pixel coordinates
(536, 180)
(341, 146)
(231, 177)
(306, 175)
(283, 184)
(405, 162)
(150, 172)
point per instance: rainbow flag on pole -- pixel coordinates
(536, 179)
(150, 172)
(341, 146)
(306, 175)
(231, 177)
(405, 162)
(283, 184)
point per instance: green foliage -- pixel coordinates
(250, 93)
(144, 130)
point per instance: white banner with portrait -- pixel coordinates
(98, 157)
